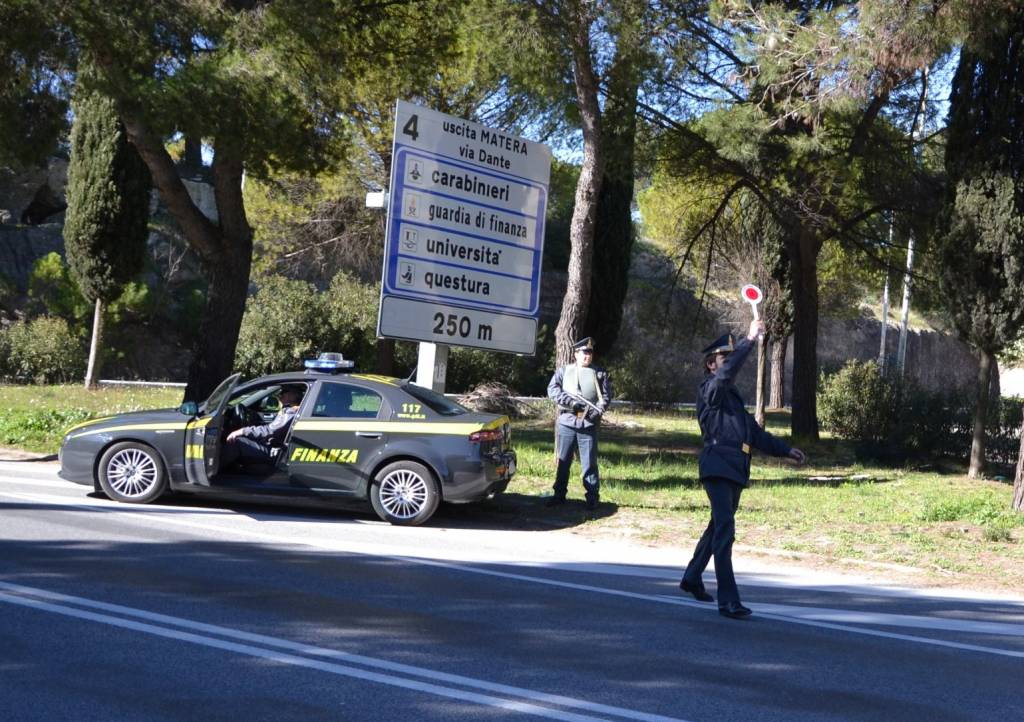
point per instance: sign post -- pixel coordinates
(465, 235)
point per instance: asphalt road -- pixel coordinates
(198, 609)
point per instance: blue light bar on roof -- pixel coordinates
(329, 362)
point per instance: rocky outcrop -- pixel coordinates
(21, 246)
(33, 196)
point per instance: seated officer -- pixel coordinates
(258, 444)
(571, 388)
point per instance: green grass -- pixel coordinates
(928, 516)
(37, 416)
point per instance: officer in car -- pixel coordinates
(258, 444)
(729, 433)
(582, 393)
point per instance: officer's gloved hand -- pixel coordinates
(577, 407)
(594, 415)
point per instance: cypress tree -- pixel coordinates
(108, 209)
(982, 223)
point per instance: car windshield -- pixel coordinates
(434, 401)
(253, 398)
(212, 403)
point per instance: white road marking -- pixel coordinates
(200, 633)
(806, 616)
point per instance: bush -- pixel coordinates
(350, 307)
(525, 375)
(288, 321)
(888, 419)
(644, 377)
(43, 350)
(283, 324)
(51, 289)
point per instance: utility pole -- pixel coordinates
(885, 311)
(901, 351)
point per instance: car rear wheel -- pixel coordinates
(404, 493)
(132, 472)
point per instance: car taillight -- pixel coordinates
(486, 435)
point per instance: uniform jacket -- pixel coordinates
(274, 433)
(565, 402)
(727, 426)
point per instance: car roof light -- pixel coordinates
(329, 362)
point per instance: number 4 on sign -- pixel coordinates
(752, 295)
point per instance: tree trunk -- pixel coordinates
(214, 354)
(1018, 478)
(613, 233)
(588, 188)
(777, 398)
(804, 421)
(977, 466)
(386, 356)
(95, 357)
(228, 274)
(762, 363)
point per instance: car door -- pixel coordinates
(202, 434)
(333, 443)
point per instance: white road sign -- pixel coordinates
(465, 234)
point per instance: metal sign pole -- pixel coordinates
(432, 366)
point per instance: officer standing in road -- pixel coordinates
(582, 393)
(729, 433)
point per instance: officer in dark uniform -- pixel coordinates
(259, 444)
(729, 435)
(582, 393)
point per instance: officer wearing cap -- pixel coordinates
(730, 433)
(582, 393)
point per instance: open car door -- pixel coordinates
(202, 434)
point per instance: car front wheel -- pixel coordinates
(404, 493)
(132, 472)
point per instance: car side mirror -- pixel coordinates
(189, 408)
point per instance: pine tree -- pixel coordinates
(108, 210)
(982, 224)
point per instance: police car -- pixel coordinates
(356, 436)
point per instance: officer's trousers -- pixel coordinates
(249, 451)
(568, 439)
(724, 495)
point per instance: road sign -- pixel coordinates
(465, 234)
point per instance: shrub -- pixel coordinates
(51, 289)
(44, 350)
(524, 375)
(288, 321)
(350, 307)
(859, 404)
(283, 324)
(645, 377)
(888, 419)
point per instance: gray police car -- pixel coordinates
(355, 436)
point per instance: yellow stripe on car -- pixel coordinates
(400, 427)
(390, 380)
(90, 422)
(135, 427)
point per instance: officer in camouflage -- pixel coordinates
(582, 393)
(730, 433)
